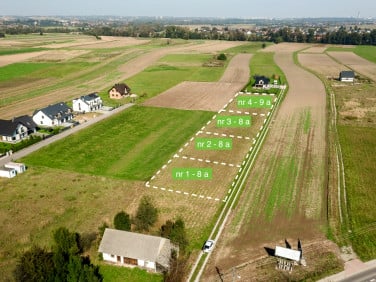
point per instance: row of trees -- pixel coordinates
(145, 218)
(64, 262)
(354, 36)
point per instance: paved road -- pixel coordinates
(355, 271)
(24, 152)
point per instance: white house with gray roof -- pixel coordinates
(133, 249)
(88, 103)
(53, 115)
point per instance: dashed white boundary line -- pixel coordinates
(202, 130)
(147, 184)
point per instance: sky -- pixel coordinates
(192, 8)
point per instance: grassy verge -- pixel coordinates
(119, 274)
(131, 145)
(358, 144)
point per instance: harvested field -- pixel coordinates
(206, 95)
(16, 58)
(58, 55)
(286, 47)
(356, 63)
(316, 49)
(284, 195)
(321, 63)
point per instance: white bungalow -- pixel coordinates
(87, 103)
(7, 172)
(136, 250)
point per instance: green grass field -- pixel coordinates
(358, 147)
(133, 144)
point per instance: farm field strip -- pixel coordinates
(229, 162)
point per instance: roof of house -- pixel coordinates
(287, 253)
(8, 127)
(262, 78)
(136, 246)
(89, 97)
(53, 110)
(26, 121)
(347, 74)
(122, 88)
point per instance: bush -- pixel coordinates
(222, 57)
(146, 215)
(122, 221)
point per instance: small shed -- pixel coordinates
(347, 76)
(136, 250)
(19, 167)
(7, 172)
(286, 258)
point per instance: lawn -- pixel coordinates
(120, 274)
(131, 145)
(251, 47)
(262, 63)
(358, 145)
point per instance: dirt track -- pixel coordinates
(210, 96)
(250, 231)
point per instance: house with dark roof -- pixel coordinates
(53, 115)
(347, 76)
(12, 131)
(133, 249)
(28, 122)
(88, 103)
(119, 90)
(261, 81)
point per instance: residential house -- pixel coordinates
(261, 81)
(136, 250)
(12, 131)
(53, 115)
(28, 122)
(87, 103)
(347, 76)
(119, 90)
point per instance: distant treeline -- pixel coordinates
(346, 36)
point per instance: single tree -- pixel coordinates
(146, 215)
(122, 221)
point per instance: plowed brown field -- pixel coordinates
(210, 96)
(284, 195)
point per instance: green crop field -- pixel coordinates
(358, 147)
(131, 145)
(365, 51)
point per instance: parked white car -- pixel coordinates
(208, 246)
